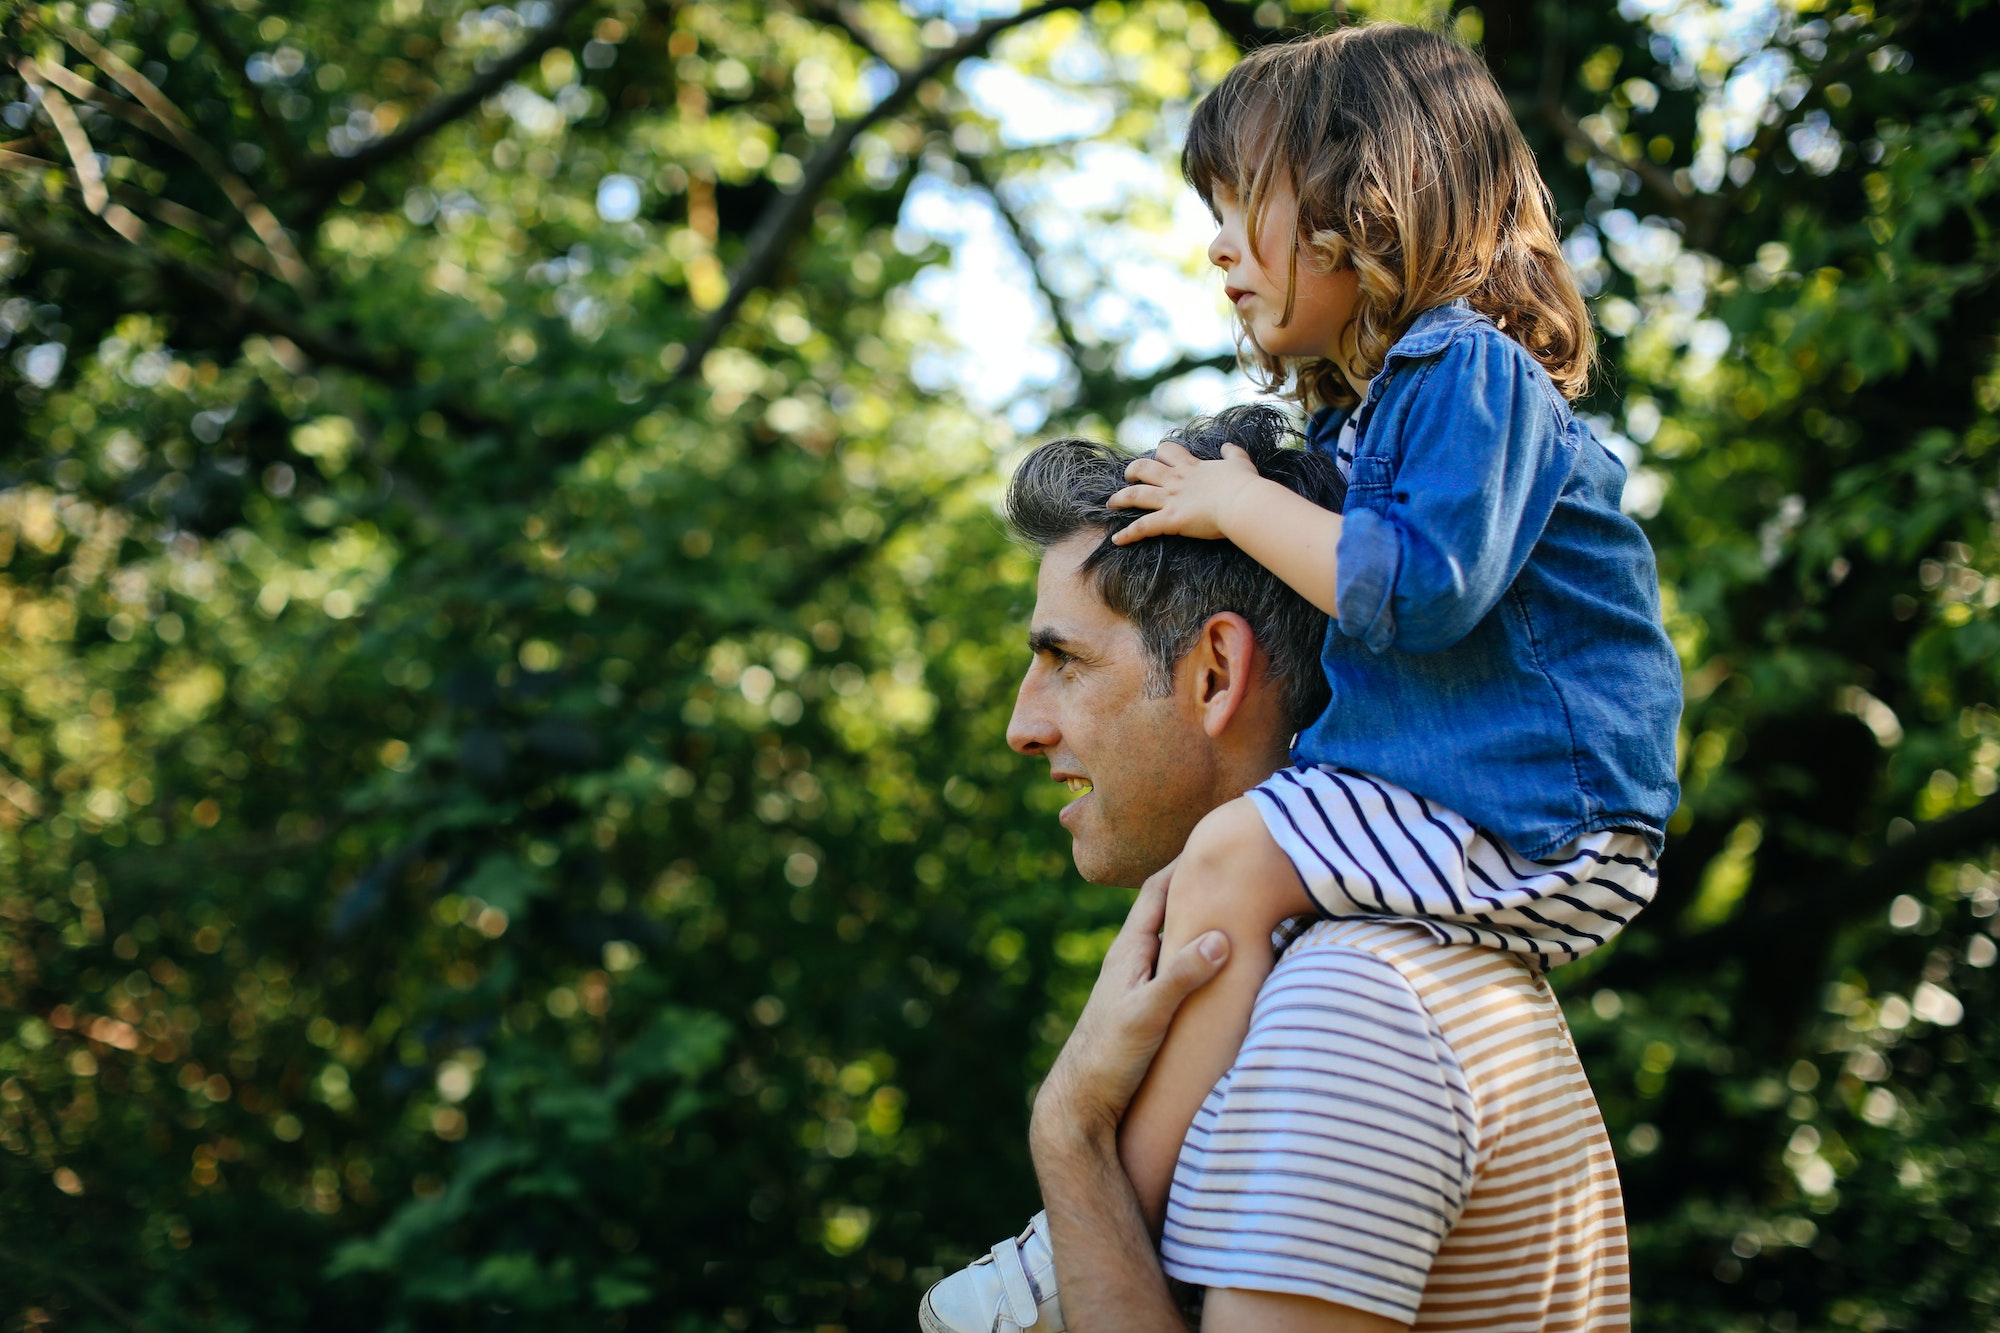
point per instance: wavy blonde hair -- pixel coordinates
(1409, 169)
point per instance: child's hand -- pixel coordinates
(1190, 496)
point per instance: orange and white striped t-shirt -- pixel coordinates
(1407, 1131)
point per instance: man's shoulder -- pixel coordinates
(1478, 1002)
(1497, 1023)
(1342, 1004)
(1406, 1131)
(1438, 972)
(1328, 964)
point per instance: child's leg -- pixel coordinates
(1231, 877)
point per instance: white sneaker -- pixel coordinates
(1012, 1289)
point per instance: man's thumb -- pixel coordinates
(1195, 965)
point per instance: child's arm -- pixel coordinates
(1225, 497)
(1481, 457)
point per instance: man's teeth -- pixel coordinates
(1079, 785)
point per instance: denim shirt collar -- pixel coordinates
(1431, 331)
(1428, 334)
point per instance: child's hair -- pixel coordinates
(1408, 168)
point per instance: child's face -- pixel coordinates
(1255, 279)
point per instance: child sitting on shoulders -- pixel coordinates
(1497, 759)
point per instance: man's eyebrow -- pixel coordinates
(1051, 641)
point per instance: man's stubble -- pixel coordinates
(1164, 782)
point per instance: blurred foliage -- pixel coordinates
(504, 820)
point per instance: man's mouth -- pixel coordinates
(1073, 809)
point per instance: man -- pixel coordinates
(1406, 1138)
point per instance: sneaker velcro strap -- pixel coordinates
(1013, 1271)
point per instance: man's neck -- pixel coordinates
(1240, 772)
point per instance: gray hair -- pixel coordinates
(1169, 587)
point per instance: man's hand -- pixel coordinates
(1110, 1275)
(1122, 1026)
(1191, 496)
(1109, 1272)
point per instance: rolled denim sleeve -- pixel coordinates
(1482, 460)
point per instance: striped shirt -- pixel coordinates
(1365, 847)
(1407, 1131)
(1343, 445)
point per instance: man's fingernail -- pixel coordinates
(1214, 946)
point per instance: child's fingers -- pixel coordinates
(1171, 454)
(1137, 497)
(1234, 450)
(1150, 470)
(1146, 525)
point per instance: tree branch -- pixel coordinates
(1699, 213)
(1655, 178)
(89, 174)
(326, 175)
(250, 314)
(258, 315)
(846, 16)
(1102, 383)
(1238, 19)
(175, 215)
(1771, 135)
(1547, 106)
(1031, 250)
(1955, 835)
(766, 247)
(211, 28)
(1173, 370)
(175, 127)
(84, 1288)
(20, 795)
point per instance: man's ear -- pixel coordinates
(1224, 670)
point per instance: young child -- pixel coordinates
(1497, 760)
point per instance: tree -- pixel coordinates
(502, 798)
(1803, 334)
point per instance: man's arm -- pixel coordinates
(1109, 1275)
(1105, 1260)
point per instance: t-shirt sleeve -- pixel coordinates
(1336, 1155)
(1480, 463)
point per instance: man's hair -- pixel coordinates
(1409, 169)
(1169, 587)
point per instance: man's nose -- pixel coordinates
(1032, 729)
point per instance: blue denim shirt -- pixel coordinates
(1498, 647)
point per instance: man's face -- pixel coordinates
(1144, 765)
